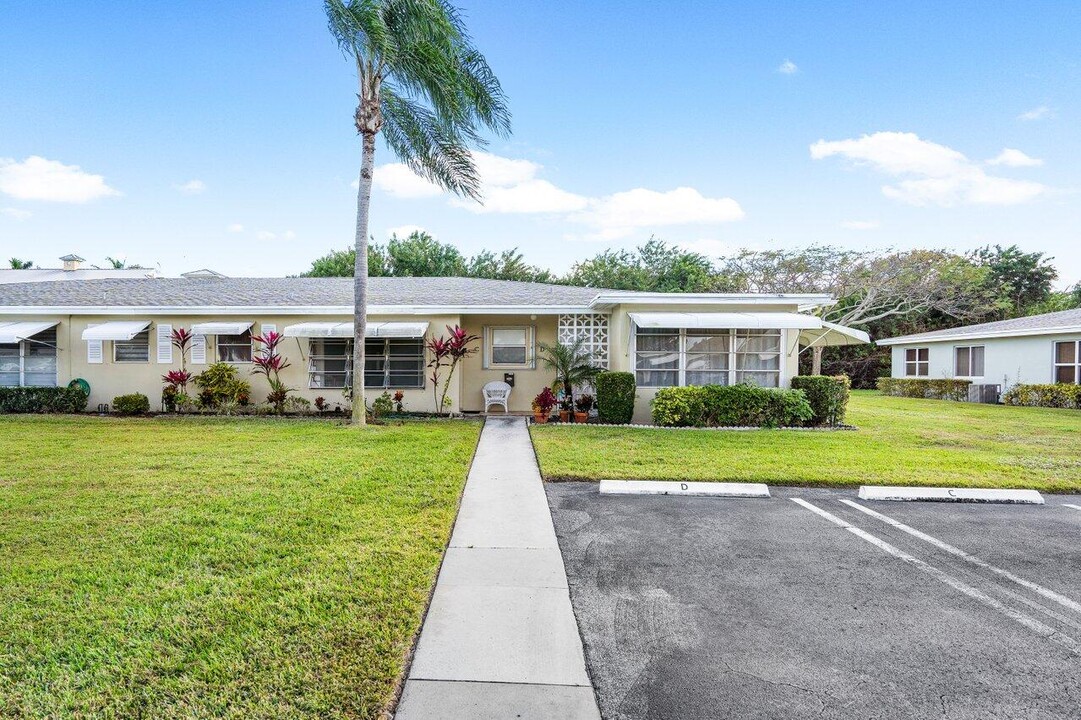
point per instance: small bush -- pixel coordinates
(220, 383)
(298, 405)
(828, 396)
(925, 388)
(133, 404)
(382, 406)
(42, 400)
(730, 406)
(1060, 395)
(615, 397)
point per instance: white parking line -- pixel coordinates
(1039, 589)
(1075, 507)
(1030, 622)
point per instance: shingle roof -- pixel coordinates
(289, 292)
(1062, 321)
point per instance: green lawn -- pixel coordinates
(240, 568)
(899, 442)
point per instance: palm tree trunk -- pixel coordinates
(360, 276)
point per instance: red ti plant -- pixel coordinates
(269, 363)
(446, 353)
(177, 380)
(181, 338)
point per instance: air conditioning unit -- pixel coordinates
(984, 393)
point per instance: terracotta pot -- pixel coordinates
(540, 417)
(581, 417)
(564, 416)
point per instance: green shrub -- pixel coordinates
(730, 406)
(828, 396)
(925, 388)
(615, 396)
(42, 399)
(133, 404)
(220, 383)
(1060, 395)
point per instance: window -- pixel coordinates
(388, 363)
(1068, 361)
(508, 347)
(234, 348)
(917, 362)
(666, 357)
(968, 361)
(135, 350)
(31, 362)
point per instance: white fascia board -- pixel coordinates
(919, 340)
(293, 310)
(803, 301)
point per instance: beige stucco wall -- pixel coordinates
(109, 379)
(527, 381)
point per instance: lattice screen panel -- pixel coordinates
(591, 327)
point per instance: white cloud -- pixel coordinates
(930, 174)
(398, 180)
(404, 231)
(788, 68)
(235, 228)
(1037, 113)
(191, 187)
(1014, 158)
(37, 178)
(15, 213)
(620, 214)
(530, 196)
(860, 224)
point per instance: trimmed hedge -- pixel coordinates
(828, 396)
(615, 397)
(42, 400)
(133, 404)
(920, 388)
(1061, 395)
(730, 406)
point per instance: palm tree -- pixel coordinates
(572, 365)
(431, 93)
(17, 264)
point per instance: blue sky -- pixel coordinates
(190, 135)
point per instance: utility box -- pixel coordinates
(990, 394)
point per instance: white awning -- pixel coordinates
(220, 328)
(832, 335)
(13, 332)
(345, 330)
(125, 330)
(724, 321)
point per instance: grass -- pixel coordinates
(900, 442)
(200, 568)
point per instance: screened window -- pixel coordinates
(1068, 361)
(234, 348)
(508, 347)
(31, 362)
(666, 357)
(917, 362)
(968, 361)
(135, 350)
(388, 363)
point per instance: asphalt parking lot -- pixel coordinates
(693, 607)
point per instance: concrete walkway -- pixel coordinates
(500, 640)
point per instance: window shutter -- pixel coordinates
(267, 327)
(165, 343)
(198, 349)
(93, 352)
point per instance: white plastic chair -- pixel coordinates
(496, 392)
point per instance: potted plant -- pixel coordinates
(573, 365)
(566, 409)
(582, 406)
(543, 404)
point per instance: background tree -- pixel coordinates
(653, 267)
(342, 263)
(508, 265)
(420, 255)
(1020, 280)
(430, 92)
(17, 264)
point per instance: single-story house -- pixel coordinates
(72, 269)
(1036, 349)
(115, 334)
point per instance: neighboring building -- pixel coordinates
(72, 270)
(1035, 349)
(115, 333)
